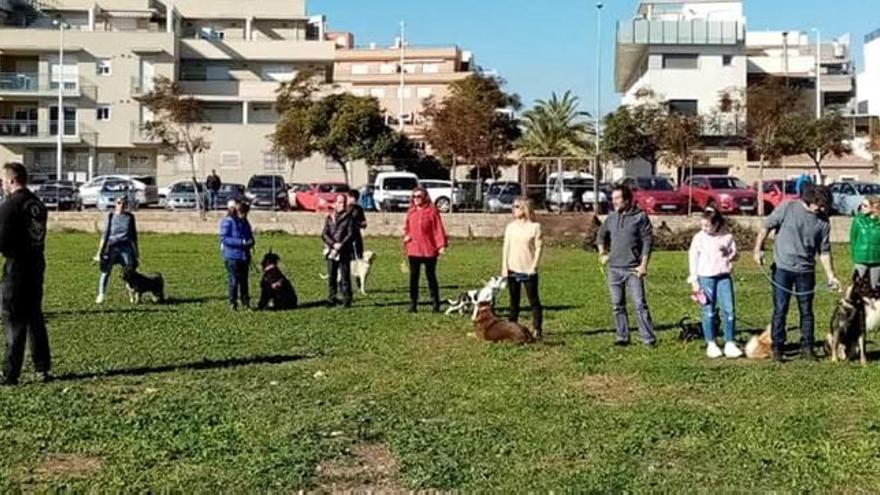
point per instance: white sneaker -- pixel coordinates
(99, 299)
(713, 351)
(732, 351)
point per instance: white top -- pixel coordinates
(522, 247)
(711, 255)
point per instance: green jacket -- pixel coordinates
(864, 240)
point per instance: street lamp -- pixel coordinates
(598, 115)
(820, 180)
(60, 113)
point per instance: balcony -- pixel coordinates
(724, 125)
(253, 90)
(410, 78)
(259, 50)
(31, 84)
(30, 132)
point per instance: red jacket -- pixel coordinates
(425, 230)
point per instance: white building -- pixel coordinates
(869, 80)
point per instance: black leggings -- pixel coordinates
(515, 289)
(415, 265)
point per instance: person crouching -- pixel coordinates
(338, 238)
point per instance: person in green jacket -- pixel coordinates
(864, 241)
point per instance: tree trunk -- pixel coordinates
(200, 206)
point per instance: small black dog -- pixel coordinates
(139, 284)
(275, 288)
(693, 330)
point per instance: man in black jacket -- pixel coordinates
(22, 243)
(339, 249)
(213, 185)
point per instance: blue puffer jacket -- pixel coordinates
(236, 238)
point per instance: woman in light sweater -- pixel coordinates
(711, 257)
(521, 255)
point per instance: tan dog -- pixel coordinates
(760, 346)
(492, 329)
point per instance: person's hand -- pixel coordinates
(442, 251)
(337, 246)
(603, 259)
(695, 287)
(504, 273)
(834, 284)
(407, 239)
(759, 258)
(642, 271)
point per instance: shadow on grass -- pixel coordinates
(205, 364)
(179, 301)
(105, 311)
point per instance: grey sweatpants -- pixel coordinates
(624, 278)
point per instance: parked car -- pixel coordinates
(656, 195)
(112, 189)
(393, 190)
(292, 190)
(60, 196)
(229, 192)
(501, 195)
(847, 197)
(145, 189)
(777, 192)
(267, 192)
(36, 181)
(727, 194)
(320, 196)
(366, 200)
(440, 192)
(182, 196)
(562, 190)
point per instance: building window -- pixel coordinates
(404, 92)
(274, 162)
(377, 93)
(411, 68)
(70, 124)
(681, 61)
(388, 69)
(727, 60)
(104, 67)
(212, 33)
(103, 113)
(425, 92)
(230, 160)
(684, 107)
(431, 68)
(140, 164)
(361, 92)
(360, 69)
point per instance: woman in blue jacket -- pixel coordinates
(236, 241)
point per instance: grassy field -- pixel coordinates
(189, 396)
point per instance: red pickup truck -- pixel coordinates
(729, 195)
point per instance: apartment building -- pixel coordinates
(868, 98)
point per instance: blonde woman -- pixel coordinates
(522, 253)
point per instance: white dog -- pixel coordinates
(473, 298)
(360, 270)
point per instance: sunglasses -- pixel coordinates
(418, 196)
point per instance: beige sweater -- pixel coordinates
(522, 248)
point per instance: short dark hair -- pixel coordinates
(354, 194)
(818, 196)
(16, 172)
(625, 190)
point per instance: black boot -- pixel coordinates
(413, 307)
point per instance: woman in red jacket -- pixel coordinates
(424, 240)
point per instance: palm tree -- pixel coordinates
(556, 128)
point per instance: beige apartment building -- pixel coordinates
(231, 55)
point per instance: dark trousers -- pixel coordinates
(786, 282)
(415, 268)
(515, 283)
(237, 279)
(22, 314)
(339, 277)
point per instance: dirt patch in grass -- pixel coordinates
(613, 389)
(370, 468)
(67, 466)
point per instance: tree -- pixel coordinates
(630, 132)
(295, 104)
(556, 128)
(817, 138)
(679, 138)
(472, 124)
(178, 125)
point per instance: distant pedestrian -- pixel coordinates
(213, 185)
(22, 244)
(625, 241)
(710, 262)
(523, 244)
(119, 245)
(338, 239)
(359, 221)
(424, 240)
(237, 241)
(864, 241)
(803, 232)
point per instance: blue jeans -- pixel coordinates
(212, 200)
(719, 294)
(801, 283)
(618, 278)
(237, 279)
(121, 254)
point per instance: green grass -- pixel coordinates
(189, 396)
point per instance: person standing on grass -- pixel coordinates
(523, 244)
(625, 240)
(213, 185)
(236, 241)
(864, 241)
(338, 238)
(802, 232)
(118, 246)
(424, 241)
(359, 220)
(22, 243)
(711, 257)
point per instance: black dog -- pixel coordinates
(139, 284)
(275, 288)
(693, 330)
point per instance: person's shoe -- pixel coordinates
(332, 302)
(413, 308)
(621, 343)
(713, 351)
(233, 307)
(435, 307)
(808, 355)
(651, 345)
(732, 351)
(346, 304)
(44, 376)
(777, 356)
(539, 335)
(100, 299)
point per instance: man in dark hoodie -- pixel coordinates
(625, 241)
(338, 239)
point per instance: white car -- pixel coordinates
(146, 191)
(393, 190)
(560, 193)
(440, 192)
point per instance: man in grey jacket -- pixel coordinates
(624, 242)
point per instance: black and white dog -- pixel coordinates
(856, 314)
(472, 298)
(276, 291)
(139, 284)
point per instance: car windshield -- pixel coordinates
(654, 184)
(231, 188)
(146, 180)
(868, 189)
(579, 183)
(400, 184)
(499, 189)
(185, 187)
(332, 188)
(790, 186)
(55, 188)
(266, 182)
(116, 185)
(726, 183)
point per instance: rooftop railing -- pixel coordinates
(680, 32)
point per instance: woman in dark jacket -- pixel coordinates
(339, 250)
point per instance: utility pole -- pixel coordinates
(598, 116)
(59, 121)
(820, 180)
(400, 96)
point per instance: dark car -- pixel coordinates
(501, 195)
(229, 192)
(60, 196)
(267, 192)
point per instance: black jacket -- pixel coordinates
(23, 227)
(339, 230)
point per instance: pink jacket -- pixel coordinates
(711, 255)
(425, 230)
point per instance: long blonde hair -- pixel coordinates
(526, 205)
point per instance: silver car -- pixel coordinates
(113, 189)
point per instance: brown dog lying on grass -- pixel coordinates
(492, 329)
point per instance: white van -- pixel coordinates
(561, 190)
(393, 190)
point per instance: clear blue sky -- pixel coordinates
(541, 46)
